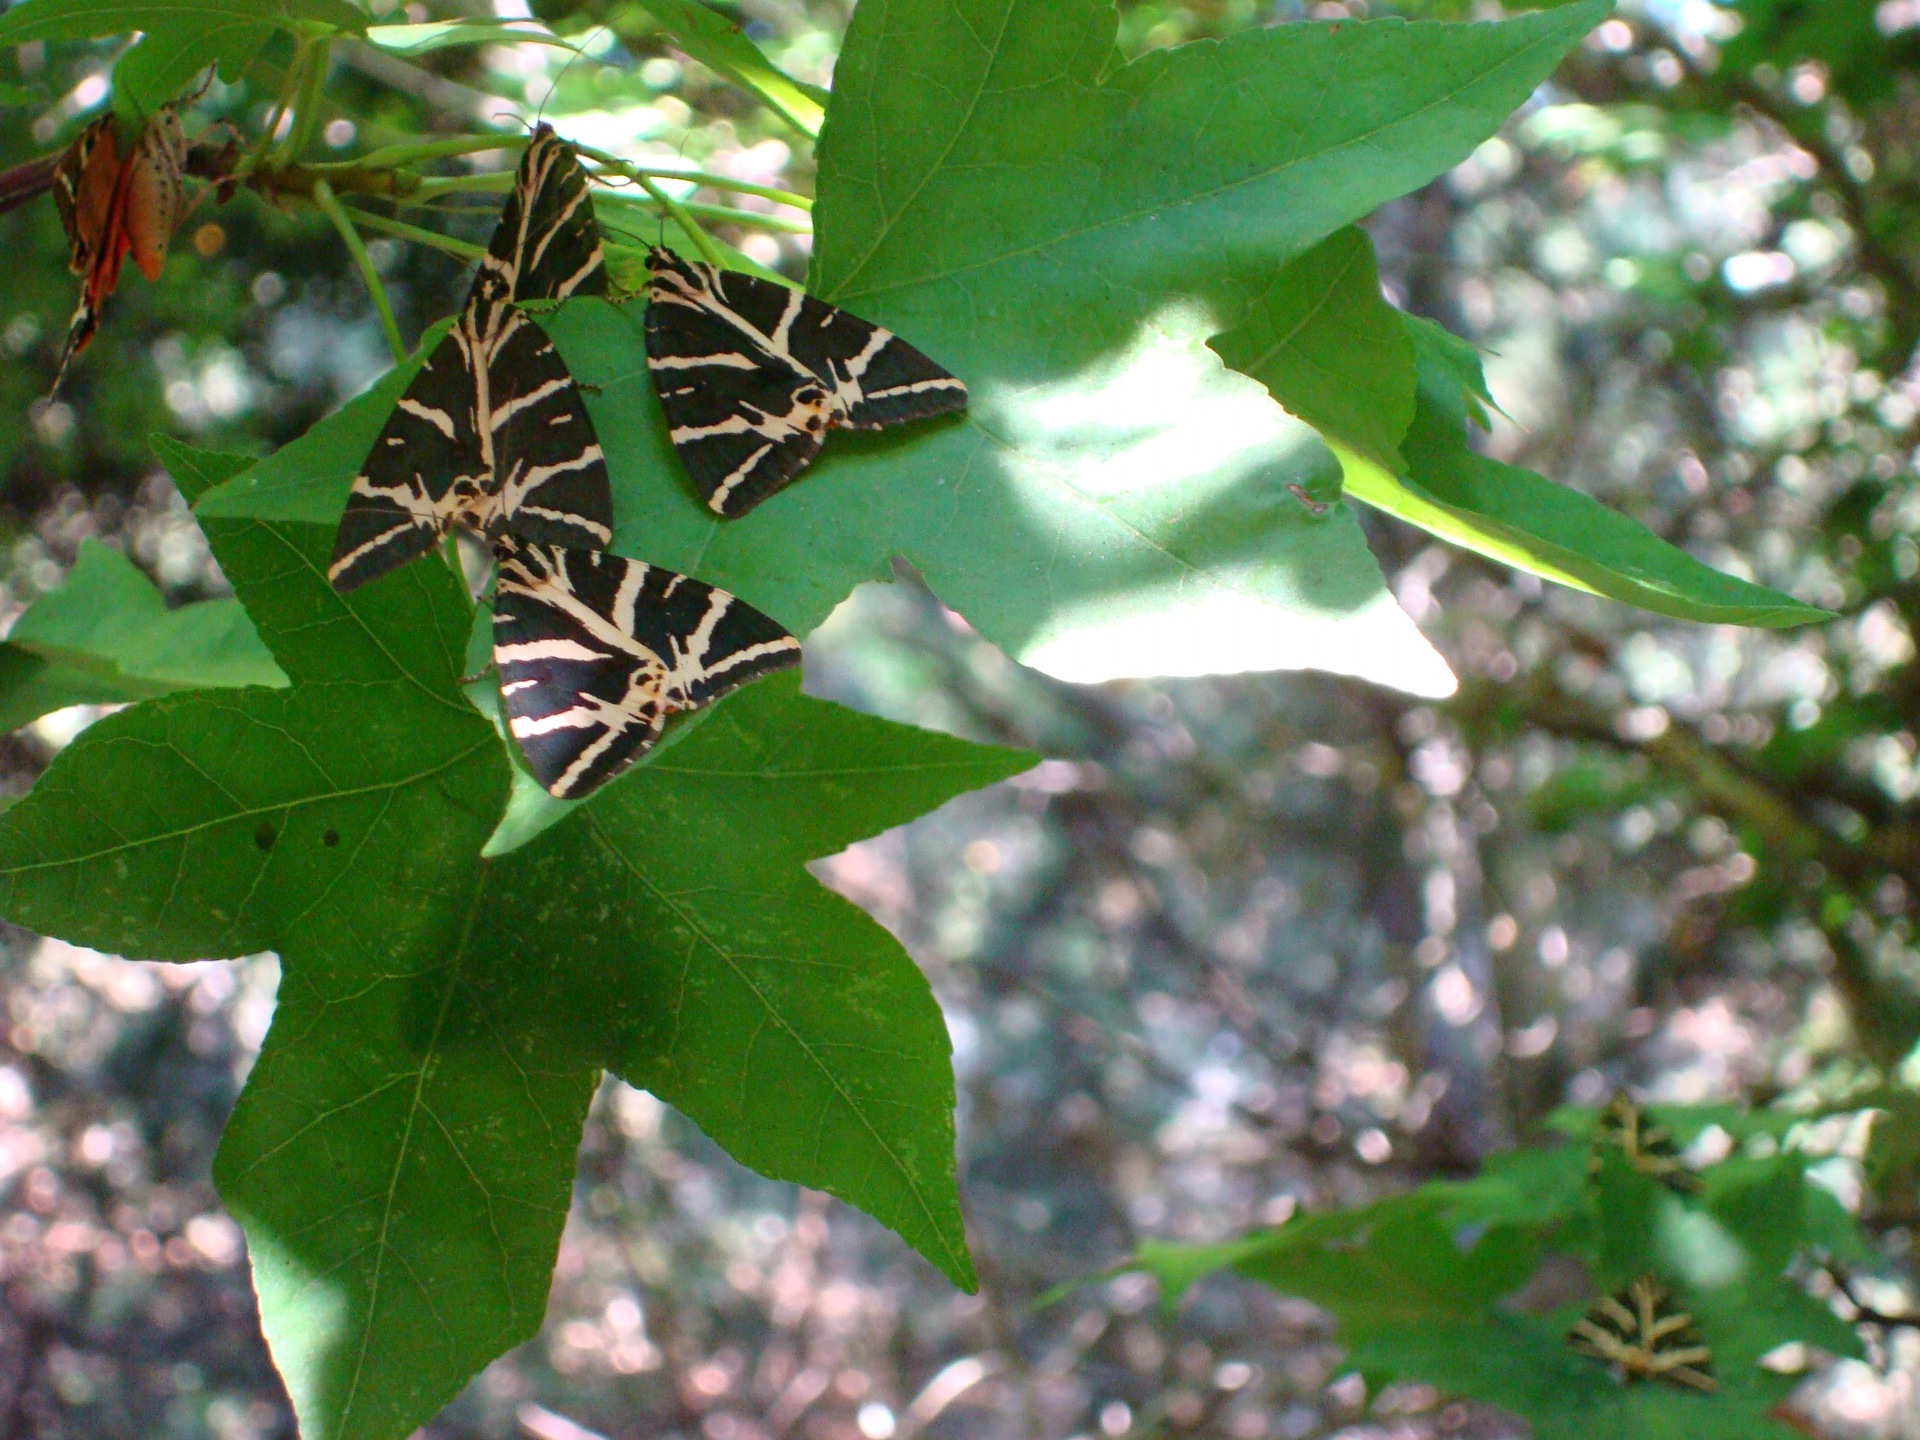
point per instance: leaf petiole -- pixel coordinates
(331, 207)
(401, 230)
(681, 215)
(722, 182)
(306, 113)
(501, 181)
(392, 157)
(724, 214)
(291, 85)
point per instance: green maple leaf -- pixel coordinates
(179, 38)
(1523, 1365)
(1422, 1285)
(105, 636)
(700, 31)
(402, 1156)
(97, 19)
(1065, 232)
(1393, 395)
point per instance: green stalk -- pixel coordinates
(392, 157)
(323, 196)
(497, 183)
(681, 216)
(404, 231)
(291, 86)
(724, 214)
(684, 219)
(307, 112)
(502, 180)
(721, 182)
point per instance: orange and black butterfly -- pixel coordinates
(112, 208)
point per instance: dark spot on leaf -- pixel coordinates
(263, 837)
(330, 839)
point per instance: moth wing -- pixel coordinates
(547, 244)
(425, 462)
(744, 417)
(83, 185)
(554, 484)
(596, 651)
(877, 379)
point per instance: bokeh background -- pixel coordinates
(1245, 945)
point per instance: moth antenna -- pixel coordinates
(679, 158)
(206, 84)
(540, 114)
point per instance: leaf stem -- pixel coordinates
(290, 86)
(722, 182)
(404, 231)
(323, 196)
(725, 214)
(306, 115)
(681, 216)
(502, 180)
(390, 157)
(496, 182)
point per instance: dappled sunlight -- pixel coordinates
(1220, 632)
(1242, 557)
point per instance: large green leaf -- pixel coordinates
(1395, 1265)
(1722, 1258)
(178, 38)
(1329, 348)
(1522, 1364)
(96, 19)
(171, 54)
(706, 35)
(105, 636)
(1066, 232)
(402, 1155)
(307, 481)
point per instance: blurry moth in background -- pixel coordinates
(1646, 1144)
(752, 374)
(1644, 1337)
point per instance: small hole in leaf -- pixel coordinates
(263, 837)
(330, 839)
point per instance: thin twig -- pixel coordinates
(324, 198)
(1863, 1313)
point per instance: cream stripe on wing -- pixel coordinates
(504, 413)
(525, 651)
(439, 419)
